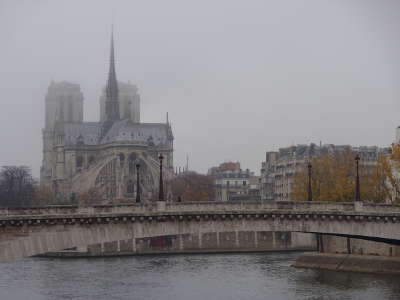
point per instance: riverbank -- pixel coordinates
(350, 263)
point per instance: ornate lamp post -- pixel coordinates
(137, 183)
(309, 166)
(161, 188)
(358, 196)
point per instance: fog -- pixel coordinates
(237, 78)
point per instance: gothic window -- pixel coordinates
(130, 188)
(91, 160)
(121, 157)
(70, 111)
(131, 163)
(79, 162)
(106, 180)
(61, 116)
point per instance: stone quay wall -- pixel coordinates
(343, 245)
(350, 262)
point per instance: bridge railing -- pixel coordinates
(259, 205)
(204, 207)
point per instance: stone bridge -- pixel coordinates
(30, 231)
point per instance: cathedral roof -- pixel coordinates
(128, 131)
(89, 133)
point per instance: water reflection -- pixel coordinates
(218, 276)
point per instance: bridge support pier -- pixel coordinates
(180, 240)
(274, 239)
(237, 238)
(348, 246)
(320, 243)
(200, 240)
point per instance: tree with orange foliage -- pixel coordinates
(333, 179)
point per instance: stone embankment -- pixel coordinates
(350, 262)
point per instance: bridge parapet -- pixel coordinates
(303, 206)
(198, 207)
(74, 210)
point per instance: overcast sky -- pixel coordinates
(238, 78)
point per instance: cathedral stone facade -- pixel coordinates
(100, 158)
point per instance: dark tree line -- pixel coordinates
(190, 186)
(17, 186)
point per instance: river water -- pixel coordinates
(187, 277)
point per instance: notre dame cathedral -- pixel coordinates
(101, 157)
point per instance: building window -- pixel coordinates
(244, 182)
(79, 162)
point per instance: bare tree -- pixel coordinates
(192, 186)
(17, 186)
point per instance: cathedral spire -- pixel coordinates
(112, 103)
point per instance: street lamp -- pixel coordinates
(137, 183)
(309, 166)
(161, 188)
(358, 196)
